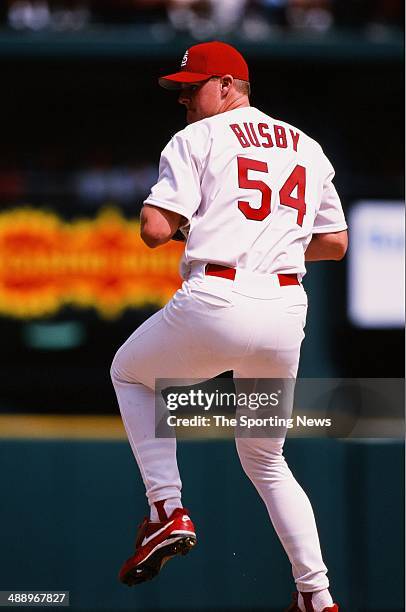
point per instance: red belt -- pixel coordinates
(226, 272)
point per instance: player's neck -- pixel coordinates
(239, 102)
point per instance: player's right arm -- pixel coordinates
(159, 225)
(177, 194)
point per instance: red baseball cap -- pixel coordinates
(205, 60)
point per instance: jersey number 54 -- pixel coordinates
(297, 178)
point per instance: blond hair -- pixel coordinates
(242, 87)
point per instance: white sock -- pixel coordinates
(167, 507)
(320, 600)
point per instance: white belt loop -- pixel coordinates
(197, 269)
(254, 284)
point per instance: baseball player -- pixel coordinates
(254, 198)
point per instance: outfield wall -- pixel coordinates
(69, 511)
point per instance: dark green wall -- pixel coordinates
(69, 511)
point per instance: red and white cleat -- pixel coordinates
(295, 608)
(155, 544)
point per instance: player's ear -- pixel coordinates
(226, 83)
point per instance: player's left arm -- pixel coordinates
(329, 236)
(158, 225)
(332, 245)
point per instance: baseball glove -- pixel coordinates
(178, 236)
(181, 233)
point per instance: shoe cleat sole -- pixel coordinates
(153, 565)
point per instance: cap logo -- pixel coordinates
(184, 60)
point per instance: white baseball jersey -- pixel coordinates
(253, 188)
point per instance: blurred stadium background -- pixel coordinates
(82, 125)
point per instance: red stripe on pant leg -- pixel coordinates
(307, 598)
(159, 505)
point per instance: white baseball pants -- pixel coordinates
(254, 327)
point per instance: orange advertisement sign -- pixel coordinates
(46, 263)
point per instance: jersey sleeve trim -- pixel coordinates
(326, 229)
(169, 206)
